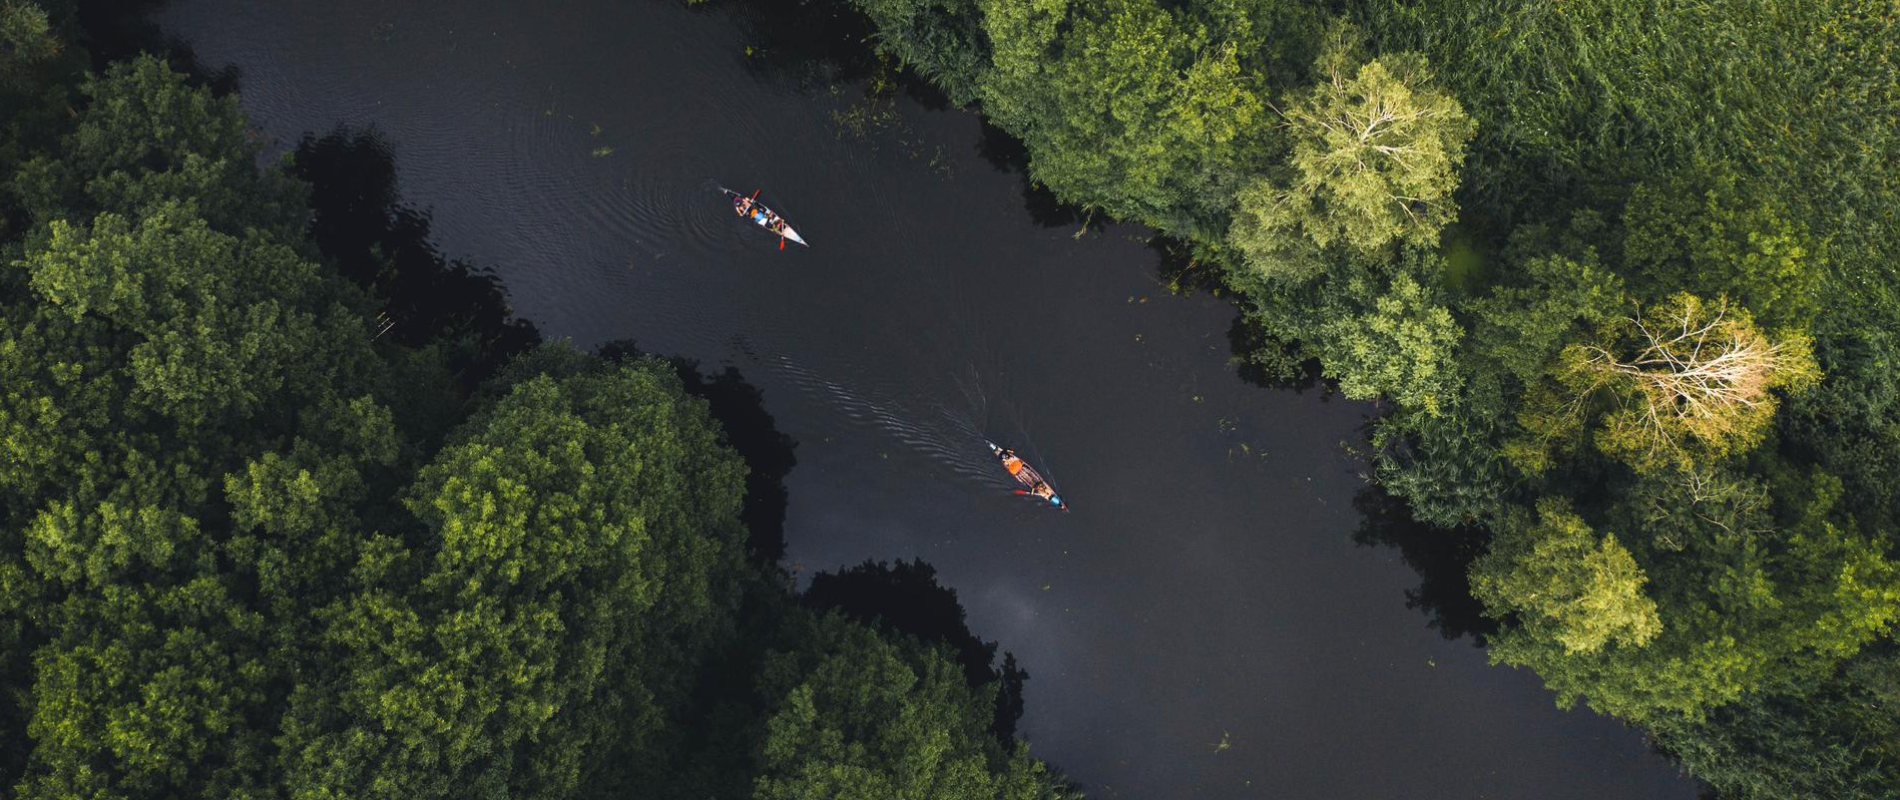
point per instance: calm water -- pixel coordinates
(1204, 589)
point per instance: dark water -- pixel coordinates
(1206, 587)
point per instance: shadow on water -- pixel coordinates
(751, 431)
(361, 225)
(904, 597)
(116, 30)
(1442, 558)
(1268, 362)
(1008, 154)
(820, 44)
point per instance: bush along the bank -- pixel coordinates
(1620, 275)
(251, 547)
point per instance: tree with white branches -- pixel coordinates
(1678, 382)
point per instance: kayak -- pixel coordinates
(761, 216)
(1029, 478)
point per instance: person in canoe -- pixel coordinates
(1011, 462)
(1028, 476)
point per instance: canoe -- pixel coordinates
(786, 232)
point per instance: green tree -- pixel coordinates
(1400, 348)
(575, 554)
(855, 717)
(1835, 738)
(1126, 105)
(148, 138)
(143, 362)
(1751, 596)
(1376, 151)
(1556, 297)
(1710, 238)
(942, 39)
(26, 40)
(1683, 382)
(1564, 583)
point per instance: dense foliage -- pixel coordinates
(252, 547)
(1580, 251)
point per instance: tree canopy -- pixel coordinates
(1617, 267)
(250, 548)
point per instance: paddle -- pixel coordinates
(1064, 506)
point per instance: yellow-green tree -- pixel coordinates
(1562, 582)
(1683, 381)
(1376, 152)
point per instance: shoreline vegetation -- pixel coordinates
(256, 542)
(1621, 275)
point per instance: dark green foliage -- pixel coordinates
(149, 138)
(26, 41)
(852, 715)
(1634, 165)
(1130, 105)
(249, 548)
(942, 39)
(1837, 738)
(573, 557)
(148, 357)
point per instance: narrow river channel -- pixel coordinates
(1201, 625)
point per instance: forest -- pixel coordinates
(256, 542)
(1619, 274)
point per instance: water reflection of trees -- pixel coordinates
(816, 45)
(362, 227)
(1441, 558)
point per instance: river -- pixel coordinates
(1200, 625)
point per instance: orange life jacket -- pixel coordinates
(1013, 464)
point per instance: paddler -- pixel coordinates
(1043, 490)
(1010, 461)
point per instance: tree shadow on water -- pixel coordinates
(361, 225)
(1008, 154)
(1442, 558)
(116, 30)
(820, 44)
(904, 597)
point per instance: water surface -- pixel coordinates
(1200, 626)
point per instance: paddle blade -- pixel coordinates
(781, 243)
(1019, 491)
